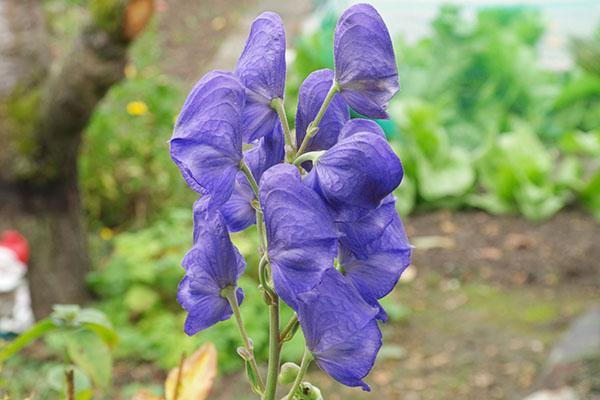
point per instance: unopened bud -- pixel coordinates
(310, 392)
(245, 354)
(288, 373)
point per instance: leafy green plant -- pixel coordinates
(442, 170)
(85, 337)
(125, 170)
(519, 174)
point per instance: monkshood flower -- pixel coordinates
(310, 98)
(330, 241)
(238, 210)
(261, 69)
(365, 65)
(211, 266)
(356, 174)
(340, 329)
(207, 140)
(374, 251)
(302, 242)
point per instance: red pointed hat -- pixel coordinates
(16, 242)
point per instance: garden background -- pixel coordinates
(498, 127)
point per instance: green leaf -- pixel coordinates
(90, 353)
(450, 177)
(140, 298)
(33, 333)
(590, 195)
(57, 381)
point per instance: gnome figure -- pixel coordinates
(15, 302)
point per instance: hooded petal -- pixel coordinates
(356, 174)
(359, 236)
(312, 94)
(207, 140)
(205, 307)
(365, 66)
(238, 211)
(210, 266)
(213, 257)
(340, 329)
(358, 125)
(261, 69)
(375, 266)
(301, 237)
(350, 361)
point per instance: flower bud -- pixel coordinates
(245, 354)
(310, 392)
(288, 373)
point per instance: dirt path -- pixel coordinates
(210, 34)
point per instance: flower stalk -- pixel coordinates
(232, 298)
(313, 127)
(306, 360)
(290, 139)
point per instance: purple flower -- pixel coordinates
(207, 139)
(356, 174)
(374, 251)
(261, 69)
(238, 211)
(340, 329)
(212, 265)
(301, 238)
(312, 93)
(365, 67)
(358, 125)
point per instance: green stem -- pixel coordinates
(244, 168)
(274, 345)
(274, 350)
(232, 298)
(313, 127)
(288, 327)
(263, 278)
(310, 156)
(290, 140)
(306, 359)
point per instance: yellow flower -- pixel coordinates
(137, 108)
(106, 233)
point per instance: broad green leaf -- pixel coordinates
(89, 352)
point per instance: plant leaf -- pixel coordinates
(89, 352)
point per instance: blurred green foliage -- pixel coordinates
(477, 121)
(83, 337)
(126, 173)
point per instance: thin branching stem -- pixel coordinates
(306, 359)
(232, 298)
(313, 127)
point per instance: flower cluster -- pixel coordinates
(331, 241)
